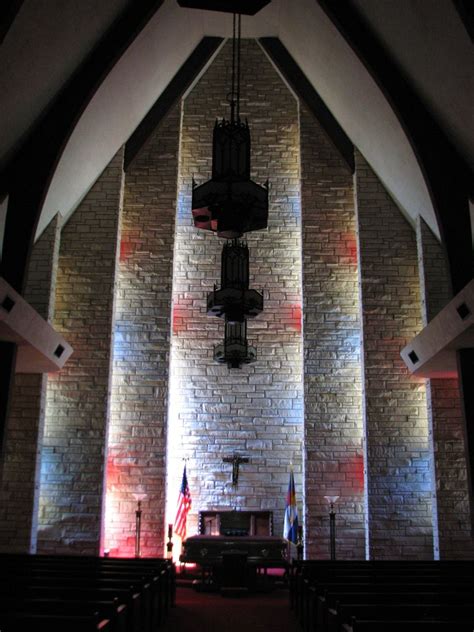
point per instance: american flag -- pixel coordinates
(184, 505)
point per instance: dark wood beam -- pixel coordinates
(244, 7)
(28, 174)
(307, 93)
(466, 13)
(170, 96)
(8, 13)
(448, 177)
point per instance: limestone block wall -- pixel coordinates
(396, 427)
(257, 410)
(434, 274)
(450, 488)
(332, 362)
(72, 468)
(329, 393)
(136, 460)
(20, 468)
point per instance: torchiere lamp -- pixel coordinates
(332, 525)
(299, 544)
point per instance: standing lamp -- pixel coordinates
(299, 544)
(332, 525)
(169, 544)
(138, 522)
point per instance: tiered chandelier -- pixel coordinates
(235, 302)
(231, 204)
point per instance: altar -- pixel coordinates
(236, 523)
(234, 549)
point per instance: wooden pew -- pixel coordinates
(54, 623)
(153, 579)
(331, 600)
(82, 594)
(344, 613)
(110, 610)
(312, 581)
(407, 626)
(317, 603)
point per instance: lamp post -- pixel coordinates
(169, 544)
(299, 544)
(332, 525)
(138, 522)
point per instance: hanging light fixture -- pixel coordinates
(235, 349)
(235, 302)
(231, 204)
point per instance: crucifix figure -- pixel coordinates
(236, 460)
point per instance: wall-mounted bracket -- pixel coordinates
(40, 349)
(432, 353)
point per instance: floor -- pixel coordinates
(211, 612)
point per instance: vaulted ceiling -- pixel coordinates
(47, 41)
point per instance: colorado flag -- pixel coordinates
(290, 528)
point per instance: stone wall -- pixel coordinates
(20, 469)
(450, 489)
(332, 362)
(257, 410)
(397, 444)
(328, 393)
(136, 461)
(72, 468)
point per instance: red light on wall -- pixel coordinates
(125, 249)
(113, 471)
(297, 317)
(295, 322)
(354, 471)
(359, 472)
(349, 248)
(180, 317)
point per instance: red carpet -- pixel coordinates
(209, 612)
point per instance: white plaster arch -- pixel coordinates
(150, 62)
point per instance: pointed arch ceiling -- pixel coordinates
(149, 64)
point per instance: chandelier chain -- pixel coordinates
(235, 85)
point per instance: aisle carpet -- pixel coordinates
(210, 612)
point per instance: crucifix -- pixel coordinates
(236, 460)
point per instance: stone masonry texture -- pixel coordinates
(347, 282)
(72, 460)
(396, 428)
(136, 461)
(332, 362)
(450, 489)
(257, 410)
(19, 483)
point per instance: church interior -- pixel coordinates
(351, 373)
